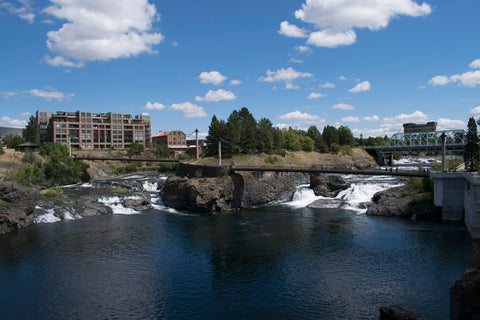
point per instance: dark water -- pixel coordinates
(266, 263)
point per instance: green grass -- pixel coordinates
(51, 193)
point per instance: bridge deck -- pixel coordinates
(125, 159)
(370, 172)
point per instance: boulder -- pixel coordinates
(396, 202)
(17, 205)
(327, 185)
(396, 313)
(465, 297)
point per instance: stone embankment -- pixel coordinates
(17, 205)
(465, 296)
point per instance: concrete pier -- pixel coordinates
(459, 196)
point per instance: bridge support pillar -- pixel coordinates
(472, 205)
(449, 191)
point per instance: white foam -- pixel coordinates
(302, 197)
(48, 217)
(87, 185)
(116, 204)
(149, 186)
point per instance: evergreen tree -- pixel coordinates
(216, 130)
(265, 135)
(249, 130)
(345, 136)
(233, 132)
(330, 136)
(31, 132)
(471, 154)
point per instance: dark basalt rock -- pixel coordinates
(327, 185)
(396, 313)
(465, 297)
(17, 205)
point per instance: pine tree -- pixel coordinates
(471, 153)
(31, 132)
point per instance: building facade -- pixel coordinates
(89, 131)
(175, 140)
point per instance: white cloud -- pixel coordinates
(303, 49)
(343, 106)
(10, 122)
(475, 64)
(337, 19)
(291, 86)
(315, 95)
(439, 81)
(291, 30)
(327, 85)
(282, 125)
(212, 77)
(53, 94)
(215, 96)
(189, 110)
(448, 124)
(466, 79)
(394, 124)
(24, 9)
(331, 38)
(299, 116)
(286, 75)
(372, 118)
(362, 86)
(100, 30)
(342, 78)
(154, 106)
(475, 111)
(25, 115)
(351, 119)
(235, 82)
(293, 60)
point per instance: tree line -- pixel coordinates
(241, 132)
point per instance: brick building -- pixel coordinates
(175, 140)
(87, 130)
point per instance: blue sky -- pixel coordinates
(370, 65)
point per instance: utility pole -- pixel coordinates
(196, 139)
(444, 164)
(219, 153)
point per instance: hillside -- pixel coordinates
(359, 159)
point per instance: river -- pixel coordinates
(283, 261)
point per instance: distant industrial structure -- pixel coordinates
(430, 126)
(90, 131)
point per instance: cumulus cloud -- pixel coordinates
(332, 38)
(291, 30)
(235, 82)
(315, 95)
(10, 122)
(362, 86)
(303, 49)
(212, 77)
(373, 118)
(215, 96)
(299, 116)
(291, 86)
(351, 119)
(343, 106)
(394, 124)
(448, 124)
(466, 79)
(342, 78)
(101, 30)
(327, 85)
(24, 9)
(154, 106)
(189, 110)
(336, 20)
(475, 111)
(286, 75)
(53, 94)
(475, 64)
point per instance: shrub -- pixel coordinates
(270, 161)
(51, 193)
(168, 167)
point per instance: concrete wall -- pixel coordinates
(472, 205)
(449, 193)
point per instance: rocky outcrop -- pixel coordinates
(396, 202)
(396, 313)
(327, 185)
(198, 194)
(17, 205)
(465, 297)
(243, 190)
